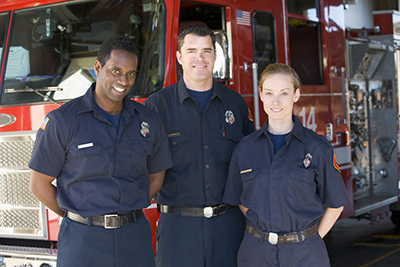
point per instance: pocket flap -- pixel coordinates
(302, 175)
(175, 139)
(248, 174)
(142, 147)
(86, 148)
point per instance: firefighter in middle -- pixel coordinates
(204, 121)
(286, 181)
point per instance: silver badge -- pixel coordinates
(144, 129)
(307, 160)
(229, 117)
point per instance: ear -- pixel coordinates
(179, 57)
(296, 95)
(97, 67)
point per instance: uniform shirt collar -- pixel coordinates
(297, 130)
(89, 104)
(184, 94)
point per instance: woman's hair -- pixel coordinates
(279, 68)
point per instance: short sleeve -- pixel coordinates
(233, 187)
(48, 154)
(331, 187)
(160, 159)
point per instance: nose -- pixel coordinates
(199, 56)
(123, 80)
(275, 100)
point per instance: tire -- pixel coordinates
(395, 217)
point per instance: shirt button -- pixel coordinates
(174, 142)
(205, 127)
(205, 147)
(207, 166)
(207, 185)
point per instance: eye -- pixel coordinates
(132, 74)
(115, 71)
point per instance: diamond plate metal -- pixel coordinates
(21, 214)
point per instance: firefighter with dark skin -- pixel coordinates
(109, 155)
(286, 181)
(204, 121)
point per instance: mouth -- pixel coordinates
(199, 66)
(276, 110)
(119, 90)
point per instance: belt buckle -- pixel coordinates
(208, 212)
(112, 221)
(273, 238)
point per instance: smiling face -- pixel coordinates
(197, 56)
(278, 95)
(115, 79)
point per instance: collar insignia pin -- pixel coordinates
(307, 160)
(229, 117)
(145, 129)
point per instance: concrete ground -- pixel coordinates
(358, 243)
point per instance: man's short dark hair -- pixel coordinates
(115, 42)
(195, 29)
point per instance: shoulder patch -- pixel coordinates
(250, 116)
(44, 123)
(335, 164)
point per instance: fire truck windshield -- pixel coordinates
(52, 49)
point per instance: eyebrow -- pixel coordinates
(283, 89)
(194, 49)
(119, 69)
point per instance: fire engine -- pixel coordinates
(350, 92)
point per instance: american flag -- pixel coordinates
(243, 17)
(43, 125)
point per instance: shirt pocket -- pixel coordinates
(250, 187)
(141, 151)
(87, 159)
(230, 138)
(301, 187)
(179, 147)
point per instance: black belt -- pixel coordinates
(274, 238)
(108, 221)
(207, 212)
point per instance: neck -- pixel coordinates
(200, 86)
(280, 127)
(113, 108)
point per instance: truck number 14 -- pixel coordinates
(309, 121)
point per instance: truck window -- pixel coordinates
(307, 8)
(214, 17)
(263, 39)
(306, 50)
(53, 48)
(3, 27)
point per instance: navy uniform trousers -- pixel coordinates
(257, 252)
(87, 246)
(184, 241)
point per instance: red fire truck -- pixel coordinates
(349, 94)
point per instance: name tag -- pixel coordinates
(246, 171)
(85, 145)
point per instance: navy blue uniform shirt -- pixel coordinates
(98, 170)
(201, 143)
(288, 191)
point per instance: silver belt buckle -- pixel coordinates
(208, 212)
(273, 238)
(112, 221)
